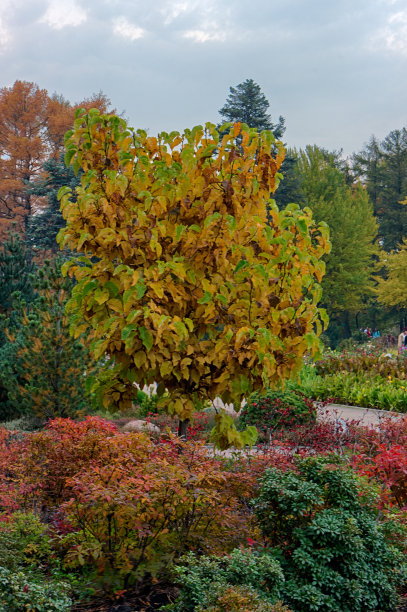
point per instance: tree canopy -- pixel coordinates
(348, 281)
(183, 281)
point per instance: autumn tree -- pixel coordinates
(32, 126)
(23, 119)
(183, 282)
(392, 281)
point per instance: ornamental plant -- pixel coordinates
(184, 281)
(324, 531)
(134, 516)
(276, 410)
(205, 581)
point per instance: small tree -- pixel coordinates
(185, 283)
(42, 367)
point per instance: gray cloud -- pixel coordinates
(335, 70)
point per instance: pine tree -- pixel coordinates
(246, 103)
(16, 269)
(42, 367)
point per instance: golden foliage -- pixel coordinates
(189, 285)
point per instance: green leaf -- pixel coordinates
(243, 263)
(128, 331)
(206, 298)
(112, 288)
(63, 191)
(214, 217)
(146, 338)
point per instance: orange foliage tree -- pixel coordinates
(32, 127)
(187, 283)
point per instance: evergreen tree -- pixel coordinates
(349, 213)
(383, 168)
(246, 103)
(16, 269)
(43, 227)
(42, 367)
(393, 214)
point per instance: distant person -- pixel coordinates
(376, 333)
(401, 340)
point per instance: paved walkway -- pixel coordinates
(365, 416)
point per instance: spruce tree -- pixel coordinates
(248, 104)
(44, 226)
(42, 367)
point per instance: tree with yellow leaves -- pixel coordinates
(183, 281)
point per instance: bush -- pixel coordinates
(333, 551)
(206, 581)
(276, 410)
(133, 516)
(242, 599)
(147, 404)
(24, 542)
(19, 591)
(388, 466)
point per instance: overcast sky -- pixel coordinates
(335, 69)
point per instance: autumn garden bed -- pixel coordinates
(96, 519)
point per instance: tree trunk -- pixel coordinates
(182, 428)
(346, 324)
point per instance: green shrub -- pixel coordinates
(19, 591)
(333, 551)
(205, 580)
(275, 410)
(242, 599)
(24, 542)
(147, 404)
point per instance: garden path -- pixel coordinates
(366, 416)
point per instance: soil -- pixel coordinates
(148, 601)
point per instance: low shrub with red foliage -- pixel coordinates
(135, 515)
(388, 467)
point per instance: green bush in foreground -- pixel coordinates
(332, 549)
(19, 591)
(205, 580)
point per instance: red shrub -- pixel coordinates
(134, 515)
(389, 467)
